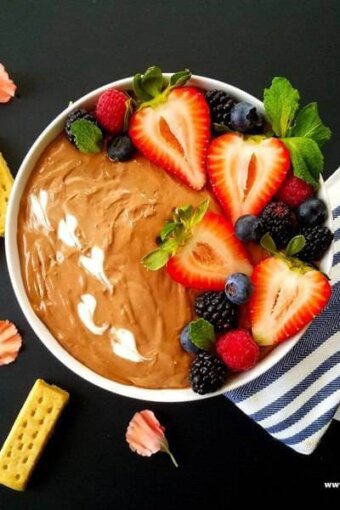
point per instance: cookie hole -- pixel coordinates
(41, 421)
(9, 454)
(34, 435)
(33, 413)
(49, 410)
(20, 446)
(40, 400)
(24, 423)
(17, 477)
(30, 446)
(25, 460)
(4, 467)
(20, 436)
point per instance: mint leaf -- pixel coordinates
(202, 334)
(281, 102)
(295, 245)
(306, 158)
(88, 137)
(309, 125)
(156, 259)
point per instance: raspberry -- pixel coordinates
(238, 350)
(111, 109)
(294, 191)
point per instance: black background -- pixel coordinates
(58, 50)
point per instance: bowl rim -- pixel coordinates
(42, 332)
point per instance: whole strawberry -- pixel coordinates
(111, 110)
(294, 191)
(238, 350)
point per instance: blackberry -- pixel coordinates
(216, 308)
(220, 105)
(318, 240)
(81, 113)
(276, 218)
(207, 373)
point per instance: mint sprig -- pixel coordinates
(87, 136)
(201, 334)
(174, 234)
(301, 131)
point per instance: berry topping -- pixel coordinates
(220, 104)
(294, 191)
(248, 228)
(207, 373)
(287, 295)
(72, 117)
(199, 248)
(238, 350)
(260, 165)
(120, 148)
(276, 219)
(172, 125)
(312, 212)
(186, 342)
(217, 309)
(318, 240)
(245, 118)
(111, 110)
(238, 288)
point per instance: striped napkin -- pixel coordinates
(296, 400)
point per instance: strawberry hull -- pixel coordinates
(210, 256)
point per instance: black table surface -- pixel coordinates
(56, 52)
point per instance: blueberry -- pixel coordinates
(312, 212)
(244, 117)
(247, 228)
(186, 342)
(120, 148)
(238, 288)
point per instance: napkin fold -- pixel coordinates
(296, 400)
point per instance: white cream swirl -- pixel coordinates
(67, 231)
(86, 309)
(38, 210)
(123, 344)
(94, 264)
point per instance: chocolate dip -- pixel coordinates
(79, 211)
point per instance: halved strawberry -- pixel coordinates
(245, 173)
(175, 134)
(209, 256)
(287, 296)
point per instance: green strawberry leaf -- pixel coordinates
(295, 245)
(202, 334)
(180, 78)
(88, 137)
(156, 259)
(200, 212)
(152, 81)
(281, 102)
(138, 89)
(306, 158)
(268, 243)
(168, 228)
(309, 125)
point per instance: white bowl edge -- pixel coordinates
(13, 262)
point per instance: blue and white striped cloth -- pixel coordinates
(296, 400)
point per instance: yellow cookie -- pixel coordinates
(29, 434)
(6, 181)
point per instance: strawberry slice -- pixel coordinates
(245, 173)
(10, 342)
(209, 256)
(172, 126)
(287, 296)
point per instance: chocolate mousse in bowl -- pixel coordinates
(84, 225)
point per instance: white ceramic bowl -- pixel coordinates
(162, 395)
